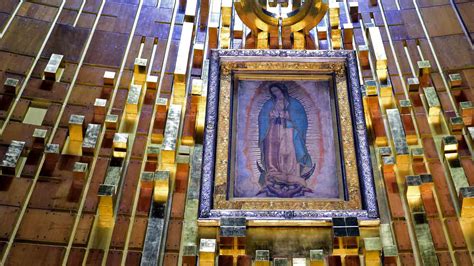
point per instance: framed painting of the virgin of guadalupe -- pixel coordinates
(285, 138)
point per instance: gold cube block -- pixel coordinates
(162, 186)
(109, 78)
(455, 80)
(119, 145)
(75, 127)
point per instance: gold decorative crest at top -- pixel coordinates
(280, 24)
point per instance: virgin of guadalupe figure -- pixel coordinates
(285, 162)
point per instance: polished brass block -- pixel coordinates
(52, 70)
(183, 53)
(348, 29)
(456, 124)
(413, 183)
(417, 154)
(386, 90)
(466, 200)
(372, 250)
(316, 257)
(354, 11)
(434, 104)
(226, 12)
(109, 78)
(111, 122)
(466, 110)
(207, 251)
(334, 15)
(75, 127)
(152, 82)
(119, 145)
(162, 186)
(371, 88)
(196, 87)
(39, 138)
(224, 36)
(299, 40)
(336, 39)
(133, 97)
(378, 48)
(90, 141)
(413, 84)
(168, 151)
(11, 86)
(455, 80)
(106, 195)
(363, 53)
(262, 40)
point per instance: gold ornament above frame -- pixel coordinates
(285, 138)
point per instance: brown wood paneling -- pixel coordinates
(138, 233)
(401, 233)
(45, 226)
(173, 239)
(437, 234)
(27, 254)
(8, 217)
(455, 233)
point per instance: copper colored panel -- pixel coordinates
(83, 229)
(16, 192)
(139, 146)
(114, 257)
(437, 234)
(430, 149)
(174, 235)
(52, 193)
(68, 41)
(138, 233)
(92, 75)
(419, 168)
(120, 231)
(85, 95)
(14, 63)
(407, 259)
(401, 233)
(429, 201)
(334, 261)
(396, 206)
(468, 166)
(177, 208)
(244, 260)
(145, 119)
(444, 258)
(463, 257)
(51, 114)
(455, 233)
(223, 260)
(76, 256)
(389, 261)
(130, 186)
(171, 259)
(28, 254)
(8, 216)
(97, 179)
(133, 258)
(352, 260)
(120, 99)
(106, 49)
(76, 110)
(20, 110)
(95, 257)
(19, 131)
(54, 227)
(21, 29)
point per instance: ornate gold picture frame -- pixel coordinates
(228, 68)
